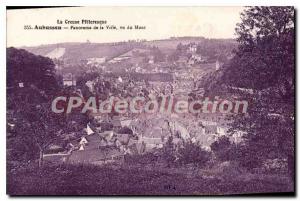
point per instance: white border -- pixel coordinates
(104, 3)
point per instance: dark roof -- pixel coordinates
(93, 137)
(210, 129)
(87, 156)
(125, 130)
(123, 138)
(116, 122)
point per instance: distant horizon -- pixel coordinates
(126, 41)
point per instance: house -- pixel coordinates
(54, 148)
(218, 64)
(192, 48)
(195, 59)
(154, 137)
(151, 60)
(182, 60)
(90, 85)
(122, 139)
(135, 147)
(89, 130)
(90, 142)
(107, 135)
(237, 137)
(221, 131)
(120, 79)
(197, 93)
(168, 90)
(116, 123)
(125, 122)
(21, 84)
(98, 148)
(179, 129)
(69, 80)
(83, 141)
(96, 60)
(120, 59)
(211, 129)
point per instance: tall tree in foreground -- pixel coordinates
(41, 126)
(29, 69)
(31, 84)
(264, 63)
(32, 127)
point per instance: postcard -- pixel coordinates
(150, 101)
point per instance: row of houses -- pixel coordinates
(111, 145)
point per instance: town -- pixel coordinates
(151, 73)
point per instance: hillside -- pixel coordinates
(74, 52)
(167, 45)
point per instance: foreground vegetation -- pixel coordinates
(96, 180)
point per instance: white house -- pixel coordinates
(96, 60)
(90, 85)
(83, 141)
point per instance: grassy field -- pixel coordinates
(95, 180)
(78, 51)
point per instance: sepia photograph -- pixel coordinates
(150, 101)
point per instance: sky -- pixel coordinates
(160, 23)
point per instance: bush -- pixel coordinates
(225, 150)
(192, 153)
(168, 152)
(222, 148)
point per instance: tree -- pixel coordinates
(180, 47)
(168, 151)
(174, 56)
(264, 63)
(27, 68)
(221, 148)
(157, 54)
(38, 126)
(32, 125)
(266, 45)
(192, 153)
